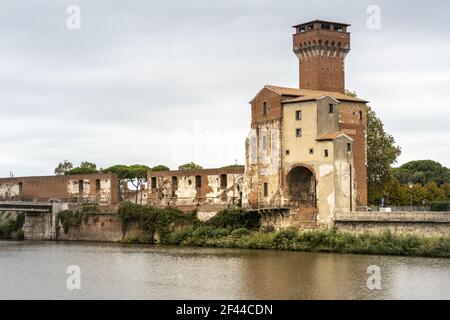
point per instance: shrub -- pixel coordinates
(236, 219)
(440, 206)
(240, 232)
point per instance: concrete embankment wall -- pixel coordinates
(428, 224)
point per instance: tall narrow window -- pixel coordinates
(97, 185)
(311, 151)
(223, 181)
(198, 181)
(298, 132)
(298, 115)
(360, 115)
(80, 186)
(153, 182)
(349, 147)
(174, 183)
(266, 190)
(20, 188)
(331, 108)
(264, 108)
(326, 153)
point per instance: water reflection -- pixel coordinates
(113, 271)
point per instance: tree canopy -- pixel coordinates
(422, 172)
(190, 166)
(382, 153)
(160, 168)
(63, 167)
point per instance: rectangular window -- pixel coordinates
(326, 153)
(264, 108)
(360, 114)
(223, 181)
(153, 183)
(325, 26)
(311, 151)
(349, 147)
(287, 152)
(97, 185)
(298, 132)
(298, 115)
(174, 183)
(198, 181)
(80, 186)
(20, 188)
(264, 143)
(330, 108)
(266, 190)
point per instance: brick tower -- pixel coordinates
(321, 47)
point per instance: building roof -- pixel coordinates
(297, 95)
(322, 21)
(334, 136)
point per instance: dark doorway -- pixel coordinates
(302, 187)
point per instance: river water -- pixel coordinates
(38, 270)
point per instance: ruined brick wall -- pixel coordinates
(353, 120)
(99, 188)
(209, 190)
(273, 104)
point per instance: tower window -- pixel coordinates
(326, 153)
(298, 115)
(198, 181)
(153, 182)
(349, 147)
(287, 152)
(266, 189)
(360, 115)
(331, 108)
(310, 27)
(325, 26)
(264, 108)
(311, 151)
(223, 181)
(298, 132)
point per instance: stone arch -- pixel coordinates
(301, 186)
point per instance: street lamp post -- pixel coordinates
(410, 185)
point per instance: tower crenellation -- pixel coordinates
(321, 47)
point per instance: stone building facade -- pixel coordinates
(88, 188)
(307, 147)
(206, 190)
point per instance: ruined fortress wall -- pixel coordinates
(101, 188)
(206, 190)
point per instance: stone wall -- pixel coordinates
(428, 224)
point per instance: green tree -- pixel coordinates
(81, 170)
(190, 166)
(135, 174)
(63, 167)
(160, 168)
(423, 172)
(87, 164)
(381, 154)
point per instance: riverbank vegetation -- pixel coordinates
(69, 218)
(11, 229)
(242, 229)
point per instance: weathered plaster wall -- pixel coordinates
(181, 189)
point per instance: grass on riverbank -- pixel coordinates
(241, 229)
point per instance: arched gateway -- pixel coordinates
(301, 185)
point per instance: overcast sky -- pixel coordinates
(168, 82)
